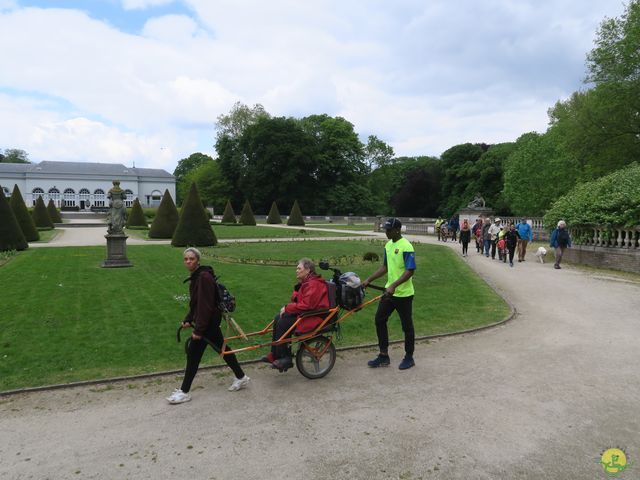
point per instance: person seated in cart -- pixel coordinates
(310, 293)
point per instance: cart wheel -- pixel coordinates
(316, 357)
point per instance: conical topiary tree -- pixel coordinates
(193, 226)
(246, 216)
(166, 219)
(136, 217)
(295, 217)
(23, 217)
(229, 216)
(41, 216)
(53, 212)
(274, 214)
(11, 236)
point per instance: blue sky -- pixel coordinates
(144, 80)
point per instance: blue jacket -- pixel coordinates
(554, 239)
(525, 232)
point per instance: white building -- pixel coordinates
(84, 185)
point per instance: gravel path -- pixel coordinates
(538, 398)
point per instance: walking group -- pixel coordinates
(310, 295)
(493, 238)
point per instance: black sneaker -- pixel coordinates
(282, 364)
(407, 362)
(380, 361)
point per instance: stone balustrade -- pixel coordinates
(599, 236)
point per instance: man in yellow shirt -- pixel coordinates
(399, 264)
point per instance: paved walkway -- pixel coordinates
(538, 398)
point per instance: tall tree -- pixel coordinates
(419, 192)
(459, 165)
(238, 119)
(184, 173)
(14, 155)
(537, 173)
(377, 153)
(213, 186)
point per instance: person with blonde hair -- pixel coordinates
(204, 316)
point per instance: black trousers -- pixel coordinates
(494, 244)
(512, 251)
(465, 247)
(280, 325)
(196, 350)
(404, 306)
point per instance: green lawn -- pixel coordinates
(227, 232)
(47, 235)
(66, 319)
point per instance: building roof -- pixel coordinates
(83, 168)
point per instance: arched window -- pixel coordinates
(35, 193)
(156, 196)
(54, 194)
(84, 195)
(128, 198)
(98, 197)
(69, 197)
(7, 192)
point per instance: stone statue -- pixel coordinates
(477, 202)
(116, 215)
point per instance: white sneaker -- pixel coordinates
(239, 383)
(178, 396)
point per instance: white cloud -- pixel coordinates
(423, 76)
(143, 4)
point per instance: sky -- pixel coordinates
(143, 81)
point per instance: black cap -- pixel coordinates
(391, 224)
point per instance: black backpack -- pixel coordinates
(226, 301)
(349, 291)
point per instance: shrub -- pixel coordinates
(193, 226)
(166, 221)
(274, 215)
(11, 236)
(136, 217)
(295, 217)
(22, 216)
(370, 257)
(41, 216)
(229, 215)
(53, 212)
(612, 200)
(246, 216)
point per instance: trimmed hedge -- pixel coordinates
(11, 236)
(246, 216)
(229, 216)
(295, 217)
(23, 217)
(193, 226)
(41, 216)
(166, 221)
(53, 212)
(136, 217)
(612, 200)
(274, 215)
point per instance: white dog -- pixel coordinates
(541, 253)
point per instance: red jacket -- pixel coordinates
(203, 310)
(311, 295)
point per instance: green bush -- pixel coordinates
(11, 236)
(613, 200)
(295, 217)
(370, 257)
(22, 216)
(193, 226)
(274, 215)
(166, 221)
(136, 218)
(229, 216)
(54, 213)
(246, 216)
(40, 215)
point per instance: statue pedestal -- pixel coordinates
(116, 251)
(471, 213)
